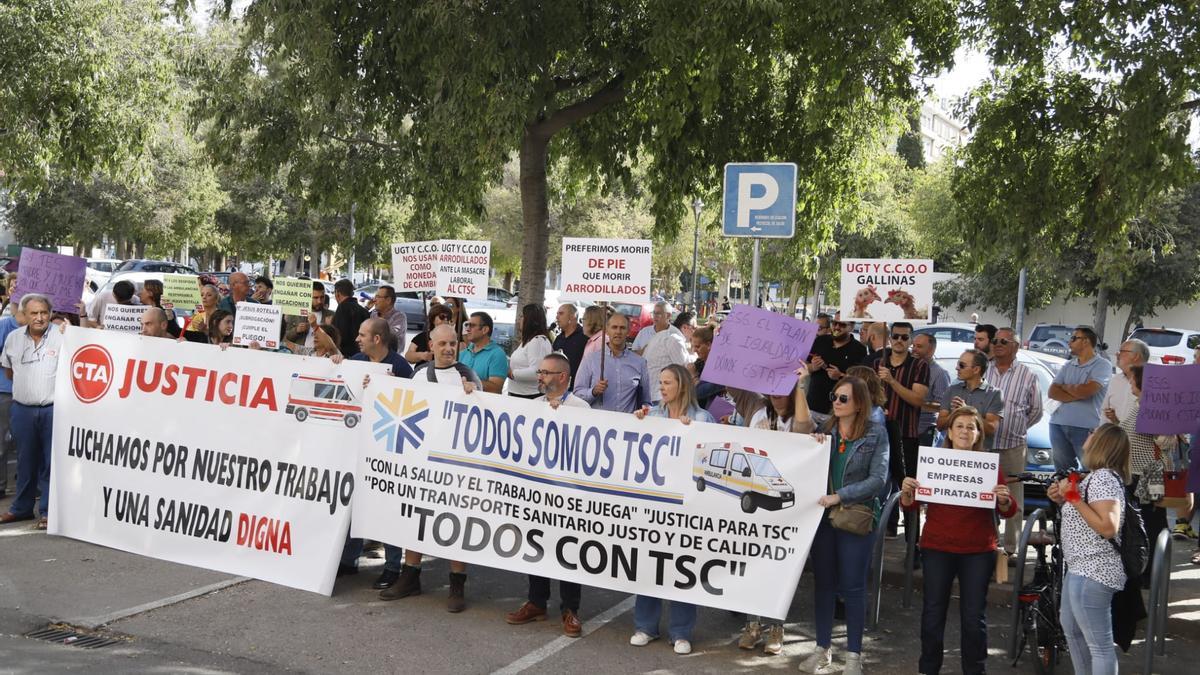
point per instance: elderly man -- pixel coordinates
(445, 369)
(570, 341)
(1080, 386)
(7, 325)
(1119, 398)
(667, 347)
(239, 291)
(397, 321)
(1018, 387)
(662, 322)
(553, 381)
(30, 360)
(614, 378)
(154, 323)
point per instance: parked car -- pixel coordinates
(1051, 338)
(497, 294)
(950, 332)
(99, 270)
(640, 315)
(1172, 346)
(162, 266)
(504, 326)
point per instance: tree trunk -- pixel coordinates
(141, 249)
(1128, 321)
(795, 298)
(535, 217)
(1101, 316)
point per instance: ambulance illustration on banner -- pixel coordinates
(743, 472)
(323, 398)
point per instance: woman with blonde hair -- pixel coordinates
(1092, 511)
(958, 541)
(594, 319)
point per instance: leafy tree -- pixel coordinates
(443, 94)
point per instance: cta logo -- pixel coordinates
(398, 420)
(924, 491)
(91, 373)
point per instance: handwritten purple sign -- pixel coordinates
(758, 350)
(1170, 399)
(721, 408)
(59, 277)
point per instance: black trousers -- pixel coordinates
(1155, 520)
(569, 593)
(973, 571)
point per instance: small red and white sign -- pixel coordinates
(91, 373)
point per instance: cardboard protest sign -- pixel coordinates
(292, 296)
(58, 277)
(698, 513)
(886, 289)
(232, 470)
(759, 350)
(123, 318)
(464, 268)
(414, 265)
(181, 290)
(1170, 400)
(257, 323)
(960, 477)
(614, 270)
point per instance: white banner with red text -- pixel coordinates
(232, 460)
(713, 515)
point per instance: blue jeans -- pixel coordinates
(393, 556)
(1086, 618)
(647, 611)
(840, 562)
(31, 429)
(973, 570)
(1066, 443)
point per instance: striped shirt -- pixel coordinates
(1022, 403)
(34, 364)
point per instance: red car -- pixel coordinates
(640, 316)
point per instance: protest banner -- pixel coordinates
(414, 266)
(959, 477)
(182, 290)
(58, 277)
(699, 513)
(123, 318)
(1170, 400)
(257, 323)
(885, 289)
(613, 270)
(463, 268)
(292, 296)
(759, 350)
(242, 467)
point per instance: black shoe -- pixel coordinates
(347, 570)
(386, 579)
(409, 583)
(456, 601)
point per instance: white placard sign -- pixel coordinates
(703, 513)
(960, 477)
(886, 289)
(239, 464)
(615, 270)
(463, 268)
(415, 266)
(257, 323)
(123, 318)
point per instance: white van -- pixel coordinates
(323, 398)
(743, 472)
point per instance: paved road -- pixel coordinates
(177, 618)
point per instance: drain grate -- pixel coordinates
(71, 638)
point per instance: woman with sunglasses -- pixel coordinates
(957, 541)
(419, 350)
(858, 472)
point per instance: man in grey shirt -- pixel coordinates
(972, 390)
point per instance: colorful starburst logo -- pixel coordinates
(399, 419)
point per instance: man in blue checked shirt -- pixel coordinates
(614, 379)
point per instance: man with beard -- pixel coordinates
(831, 356)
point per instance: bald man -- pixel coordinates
(239, 291)
(154, 323)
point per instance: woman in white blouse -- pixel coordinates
(535, 345)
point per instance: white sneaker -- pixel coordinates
(853, 664)
(751, 633)
(683, 647)
(641, 639)
(819, 662)
(774, 644)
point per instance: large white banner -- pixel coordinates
(414, 265)
(463, 268)
(887, 289)
(714, 515)
(616, 270)
(231, 460)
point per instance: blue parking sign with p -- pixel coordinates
(759, 200)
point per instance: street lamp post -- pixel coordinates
(697, 205)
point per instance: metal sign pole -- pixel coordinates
(754, 275)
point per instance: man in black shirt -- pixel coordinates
(570, 341)
(348, 317)
(830, 357)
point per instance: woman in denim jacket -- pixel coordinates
(858, 470)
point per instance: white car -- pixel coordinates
(98, 272)
(1172, 346)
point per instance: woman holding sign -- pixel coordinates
(209, 297)
(678, 403)
(958, 541)
(841, 549)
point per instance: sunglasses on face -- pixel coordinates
(548, 373)
(839, 398)
(962, 366)
(903, 337)
(1076, 337)
(1003, 342)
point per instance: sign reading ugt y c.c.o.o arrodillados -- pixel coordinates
(714, 515)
